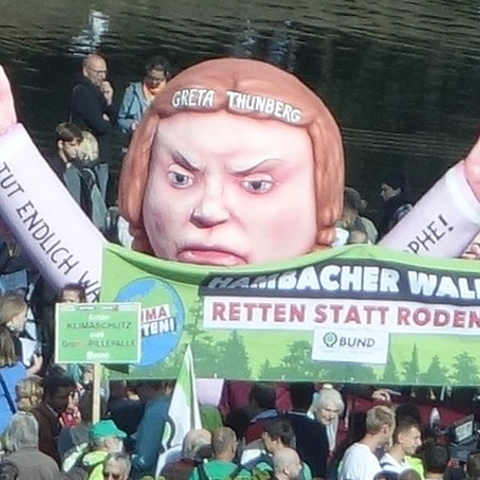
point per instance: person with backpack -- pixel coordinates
(75, 164)
(221, 466)
(196, 448)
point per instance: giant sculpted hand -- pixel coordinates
(7, 108)
(446, 219)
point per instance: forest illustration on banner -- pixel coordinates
(419, 314)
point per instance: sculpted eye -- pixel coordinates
(180, 180)
(258, 185)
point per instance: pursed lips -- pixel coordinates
(210, 255)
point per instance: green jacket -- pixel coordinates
(92, 462)
(218, 470)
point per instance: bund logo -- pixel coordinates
(330, 339)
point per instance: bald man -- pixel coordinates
(286, 464)
(221, 466)
(194, 443)
(91, 109)
(196, 448)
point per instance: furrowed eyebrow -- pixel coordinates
(183, 162)
(251, 169)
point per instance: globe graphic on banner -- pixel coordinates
(163, 316)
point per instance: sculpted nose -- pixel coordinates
(211, 210)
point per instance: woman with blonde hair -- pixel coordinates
(13, 312)
(88, 168)
(13, 316)
(88, 148)
(29, 393)
(11, 373)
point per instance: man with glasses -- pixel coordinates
(91, 108)
(117, 466)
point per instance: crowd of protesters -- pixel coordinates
(297, 431)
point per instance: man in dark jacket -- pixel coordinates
(78, 174)
(91, 109)
(56, 392)
(310, 436)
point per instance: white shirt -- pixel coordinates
(251, 451)
(123, 234)
(389, 464)
(358, 463)
(332, 429)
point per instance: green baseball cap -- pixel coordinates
(106, 428)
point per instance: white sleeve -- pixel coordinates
(358, 465)
(443, 222)
(45, 219)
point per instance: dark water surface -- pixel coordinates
(401, 77)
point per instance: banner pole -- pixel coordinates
(97, 378)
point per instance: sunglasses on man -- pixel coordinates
(112, 476)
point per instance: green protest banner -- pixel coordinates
(352, 314)
(97, 333)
